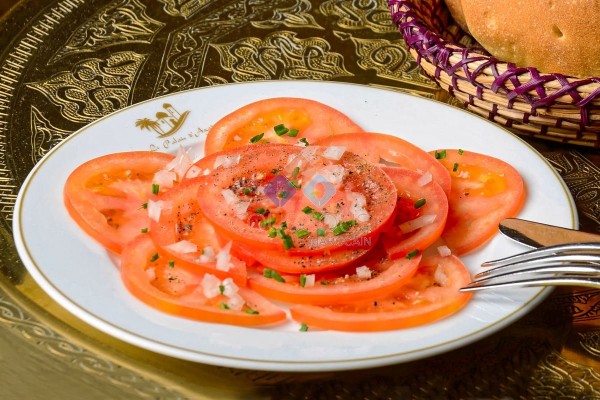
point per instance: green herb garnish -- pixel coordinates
(455, 167)
(303, 327)
(302, 233)
(155, 188)
(154, 257)
(256, 138)
(280, 130)
(412, 254)
(420, 203)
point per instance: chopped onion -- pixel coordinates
(183, 247)
(331, 220)
(227, 161)
(309, 153)
(206, 172)
(417, 223)
(240, 209)
(310, 280)
(155, 208)
(208, 255)
(444, 251)
(230, 289)
(440, 277)
(229, 196)
(151, 273)
(181, 163)
(210, 286)
(334, 152)
(363, 272)
(237, 138)
(224, 258)
(333, 173)
(357, 202)
(425, 179)
(193, 172)
(164, 178)
(235, 302)
(464, 174)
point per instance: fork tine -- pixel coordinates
(564, 280)
(567, 263)
(588, 248)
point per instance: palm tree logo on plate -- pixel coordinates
(166, 122)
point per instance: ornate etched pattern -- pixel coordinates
(44, 135)
(39, 335)
(183, 8)
(281, 55)
(296, 16)
(120, 22)
(576, 172)
(360, 14)
(93, 88)
(388, 58)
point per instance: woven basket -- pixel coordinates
(523, 99)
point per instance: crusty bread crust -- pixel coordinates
(456, 11)
(555, 36)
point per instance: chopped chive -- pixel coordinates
(324, 283)
(420, 203)
(224, 306)
(288, 243)
(283, 194)
(302, 233)
(295, 172)
(318, 216)
(284, 225)
(267, 272)
(221, 289)
(272, 274)
(251, 311)
(460, 152)
(144, 230)
(265, 223)
(260, 211)
(272, 232)
(171, 264)
(145, 205)
(295, 184)
(307, 210)
(154, 257)
(343, 227)
(320, 232)
(275, 171)
(280, 130)
(302, 280)
(293, 132)
(303, 327)
(412, 254)
(155, 188)
(455, 167)
(256, 138)
(304, 141)
(440, 154)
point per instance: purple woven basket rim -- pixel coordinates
(429, 44)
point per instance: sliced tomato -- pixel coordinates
(301, 264)
(179, 291)
(302, 118)
(390, 150)
(185, 236)
(244, 195)
(485, 190)
(106, 196)
(421, 212)
(431, 294)
(375, 276)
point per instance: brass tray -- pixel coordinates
(65, 63)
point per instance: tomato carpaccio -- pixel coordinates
(295, 203)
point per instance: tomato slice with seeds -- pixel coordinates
(105, 196)
(431, 294)
(390, 150)
(375, 276)
(485, 190)
(361, 201)
(421, 212)
(184, 235)
(302, 118)
(179, 291)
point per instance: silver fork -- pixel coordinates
(576, 264)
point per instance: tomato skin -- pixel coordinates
(398, 244)
(180, 292)
(182, 219)
(312, 119)
(485, 190)
(420, 301)
(105, 195)
(257, 161)
(390, 150)
(335, 287)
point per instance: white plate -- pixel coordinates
(78, 274)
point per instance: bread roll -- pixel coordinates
(555, 36)
(456, 11)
